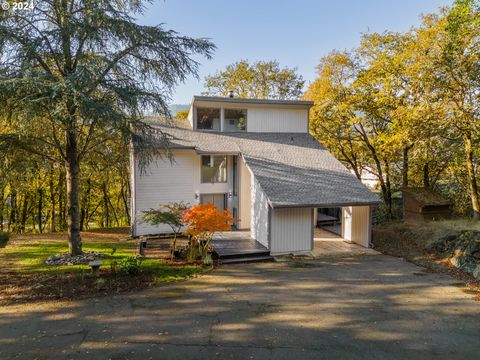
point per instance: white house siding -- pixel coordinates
(163, 182)
(190, 116)
(277, 120)
(259, 217)
(133, 187)
(245, 195)
(291, 231)
(356, 224)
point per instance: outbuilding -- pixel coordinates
(424, 204)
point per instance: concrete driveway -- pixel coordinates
(362, 307)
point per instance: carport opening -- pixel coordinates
(350, 223)
(329, 220)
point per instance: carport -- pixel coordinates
(292, 229)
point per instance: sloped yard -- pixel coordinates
(432, 245)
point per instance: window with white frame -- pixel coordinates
(208, 118)
(235, 120)
(214, 169)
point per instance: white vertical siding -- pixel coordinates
(356, 224)
(162, 182)
(263, 118)
(277, 120)
(291, 230)
(259, 217)
(132, 189)
(190, 116)
(245, 195)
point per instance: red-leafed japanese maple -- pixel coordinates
(202, 222)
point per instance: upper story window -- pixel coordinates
(214, 169)
(208, 118)
(235, 120)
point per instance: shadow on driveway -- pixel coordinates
(361, 307)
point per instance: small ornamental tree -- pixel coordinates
(202, 222)
(171, 215)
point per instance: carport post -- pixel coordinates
(357, 225)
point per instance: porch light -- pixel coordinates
(197, 196)
(230, 195)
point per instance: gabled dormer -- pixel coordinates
(225, 114)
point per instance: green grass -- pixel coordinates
(30, 255)
(166, 273)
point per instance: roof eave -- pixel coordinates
(303, 103)
(319, 205)
(206, 152)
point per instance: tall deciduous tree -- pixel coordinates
(407, 104)
(262, 79)
(73, 69)
(456, 74)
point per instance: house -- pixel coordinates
(256, 158)
(424, 204)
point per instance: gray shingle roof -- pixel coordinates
(293, 169)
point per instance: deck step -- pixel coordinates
(242, 254)
(246, 259)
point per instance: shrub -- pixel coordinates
(113, 266)
(131, 265)
(100, 282)
(171, 215)
(202, 223)
(4, 237)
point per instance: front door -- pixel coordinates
(216, 199)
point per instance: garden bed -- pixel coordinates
(24, 275)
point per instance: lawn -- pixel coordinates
(25, 276)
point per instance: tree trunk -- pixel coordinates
(114, 212)
(106, 214)
(72, 177)
(52, 203)
(388, 191)
(406, 149)
(472, 181)
(23, 219)
(124, 193)
(40, 210)
(384, 182)
(12, 220)
(61, 203)
(34, 215)
(2, 206)
(426, 175)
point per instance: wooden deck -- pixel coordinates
(235, 243)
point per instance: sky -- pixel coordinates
(297, 33)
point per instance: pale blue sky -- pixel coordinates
(297, 33)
